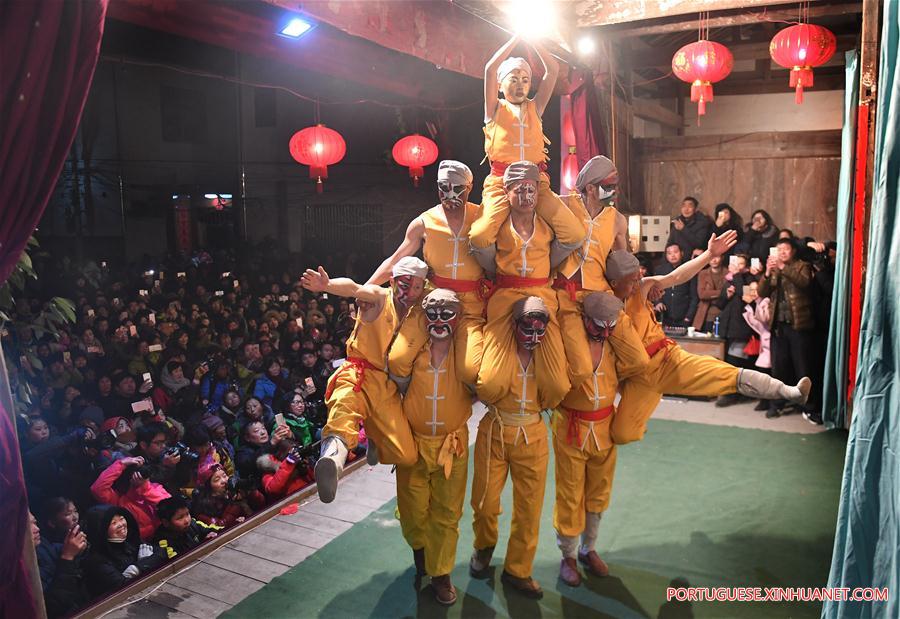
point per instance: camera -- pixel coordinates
(105, 440)
(299, 453)
(186, 453)
(236, 485)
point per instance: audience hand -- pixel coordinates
(678, 224)
(74, 544)
(130, 572)
(144, 551)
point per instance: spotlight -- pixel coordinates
(295, 28)
(210, 196)
(174, 196)
(532, 19)
(225, 196)
(586, 46)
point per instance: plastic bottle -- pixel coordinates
(716, 327)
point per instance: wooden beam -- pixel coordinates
(602, 12)
(761, 145)
(650, 110)
(737, 19)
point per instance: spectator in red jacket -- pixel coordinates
(125, 484)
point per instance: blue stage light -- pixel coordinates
(296, 28)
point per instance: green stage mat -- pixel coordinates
(698, 504)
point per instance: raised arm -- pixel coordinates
(620, 241)
(318, 281)
(415, 234)
(551, 71)
(491, 87)
(717, 246)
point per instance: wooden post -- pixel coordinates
(865, 163)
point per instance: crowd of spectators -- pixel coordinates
(185, 397)
(769, 298)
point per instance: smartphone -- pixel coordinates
(732, 261)
(116, 301)
(93, 349)
(142, 405)
(220, 293)
(773, 252)
(226, 274)
(142, 292)
(132, 330)
(103, 264)
(152, 318)
(324, 295)
(156, 283)
(279, 420)
(283, 298)
(156, 347)
(299, 322)
(310, 385)
(336, 363)
(236, 284)
(67, 357)
(182, 274)
(755, 263)
(162, 275)
(90, 312)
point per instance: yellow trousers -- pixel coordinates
(430, 504)
(377, 405)
(549, 357)
(575, 340)
(521, 452)
(671, 371)
(495, 210)
(584, 472)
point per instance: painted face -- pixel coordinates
(408, 288)
(530, 331)
(442, 321)
(451, 196)
(523, 195)
(515, 86)
(598, 330)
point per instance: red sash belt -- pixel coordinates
(361, 366)
(482, 286)
(498, 167)
(573, 435)
(658, 345)
(512, 281)
(569, 285)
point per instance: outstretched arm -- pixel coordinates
(551, 71)
(318, 281)
(415, 233)
(717, 246)
(620, 241)
(491, 87)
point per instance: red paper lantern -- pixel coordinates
(570, 170)
(415, 152)
(318, 147)
(701, 64)
(800, 48)
(568, 129)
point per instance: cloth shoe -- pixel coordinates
(528, 587)
(568, 572)
(813, 417)
(480, 562)
(772, 412)
(419, 562)
(329, 466)
(444, 591)
(594, 564)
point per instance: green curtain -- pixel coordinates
(834, 396)
(867, 541)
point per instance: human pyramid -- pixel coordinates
(532, 304)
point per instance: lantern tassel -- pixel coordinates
(798, 93)
(320, 186)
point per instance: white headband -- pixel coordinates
(507, 66)
(455, 172)
(410, 265)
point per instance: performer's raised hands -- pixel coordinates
(316, 281)
(720, 244)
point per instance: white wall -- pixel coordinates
(767, 112)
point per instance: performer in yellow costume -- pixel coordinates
(513, 132)
(584, 453)
(442, 233)
(512, 440)
(431, 492)
(582, 272)
(360, 390)
(671, 369)
(525, 246)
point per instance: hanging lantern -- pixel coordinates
(415, 152)
(800, 48)
(568, 129)
(318, 147)
(701, 64)
(570, 170)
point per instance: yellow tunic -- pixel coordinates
(643, 318)
(515, 133)
(590, 258)
(371, 340)
(446, 253)
(436, 401)
(524, 257)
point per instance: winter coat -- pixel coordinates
(709, 286)
(795, 278)
(140, 501)
(756, 244)
(694, 235)
(62, 580)
(681, 301)
(759, 322)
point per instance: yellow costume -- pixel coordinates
(361, 392)
(512, 439)
(523, 269)
(584, 452)
(583, 272)
(452, 267)
(515, 133)
(671, 370)
(430, 493)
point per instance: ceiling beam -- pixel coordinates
(738, 19)
(603, 12)
(651, 110)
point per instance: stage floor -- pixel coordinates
(696, 504)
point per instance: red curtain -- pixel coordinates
(590, 140)
(49, 50)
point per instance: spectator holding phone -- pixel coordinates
(126, 483)
(59, 561)
(219, 500)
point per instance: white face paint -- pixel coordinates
(450, 195)
(441, 322)
(525, 193)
